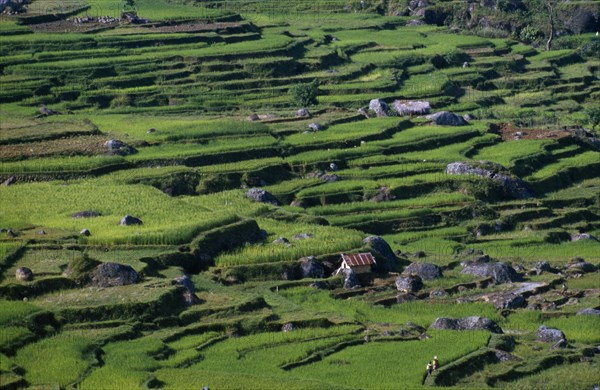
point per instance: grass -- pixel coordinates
(325, 240)
(174, 222)
(577, 375)
(59, 360)
(421, 313)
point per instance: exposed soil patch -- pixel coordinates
(510, 132)
(194, 27)
(64, 26)
(84, 145)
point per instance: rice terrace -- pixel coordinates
(328, 194)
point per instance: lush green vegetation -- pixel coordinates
(201, 100)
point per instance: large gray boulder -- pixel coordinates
(189, 294)
(381, 247)
(379, 107)
(118, 147)
(446, 118)
(114, 274)
(513, 186)
(311, 268)
(549, 335)
(262, 196)
(129, 220)
(500, 272)
(466, 323)
(409, 283)
(411, 107)
(350, 279)
(580, 266)
(506, 300)
(24, 274)
(426, 271)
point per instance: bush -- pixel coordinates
(305, 94)
(593, 114)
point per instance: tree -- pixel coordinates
(305, 94)
(593, 114)
(544, 15)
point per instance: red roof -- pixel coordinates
(358, 259)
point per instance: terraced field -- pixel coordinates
(175, 118)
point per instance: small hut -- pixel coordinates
(360, 263)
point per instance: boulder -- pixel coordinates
(381, 247)
(580, 267)
(314, 126)
(426, 271)
(303, 113)
(589, 312)
(506, 300)
(466, 323)
(409, 284)
(253, 117)
(318, 285)
(302, 236)
(151, 130)
(330, 177)
(289, 327)
(262, 196)
(542, 266)
(411, 107)
(500, 272)
(129, 220)
(379, 107)
(40, 232)
(85, 232)
(45, 111)
(446, 118)
(333, 167)
(114, 274)
(513, 186)
(350, 279)
(11, 233)
(86, 214)
(438, 293)
(311, 268)
(583, 236)
(549, 335)
(281, 240)
(10, 181)
(189, 294)
(117, 147)
(383, 195)
(24, 274)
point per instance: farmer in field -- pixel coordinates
(429, 368)
(436, 363)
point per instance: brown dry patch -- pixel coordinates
(69, 26)
(83, 145)
(194, 27)
(508, 132)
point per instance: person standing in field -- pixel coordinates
(429, 368)
(436, 363)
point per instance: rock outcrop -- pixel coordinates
(500, 272)
(425, 271)
(24, 274)
(513, 186)
(466, 323)
(114, 274)
(446, 118)
(262, 196)
(411, 107)
(409, 284)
